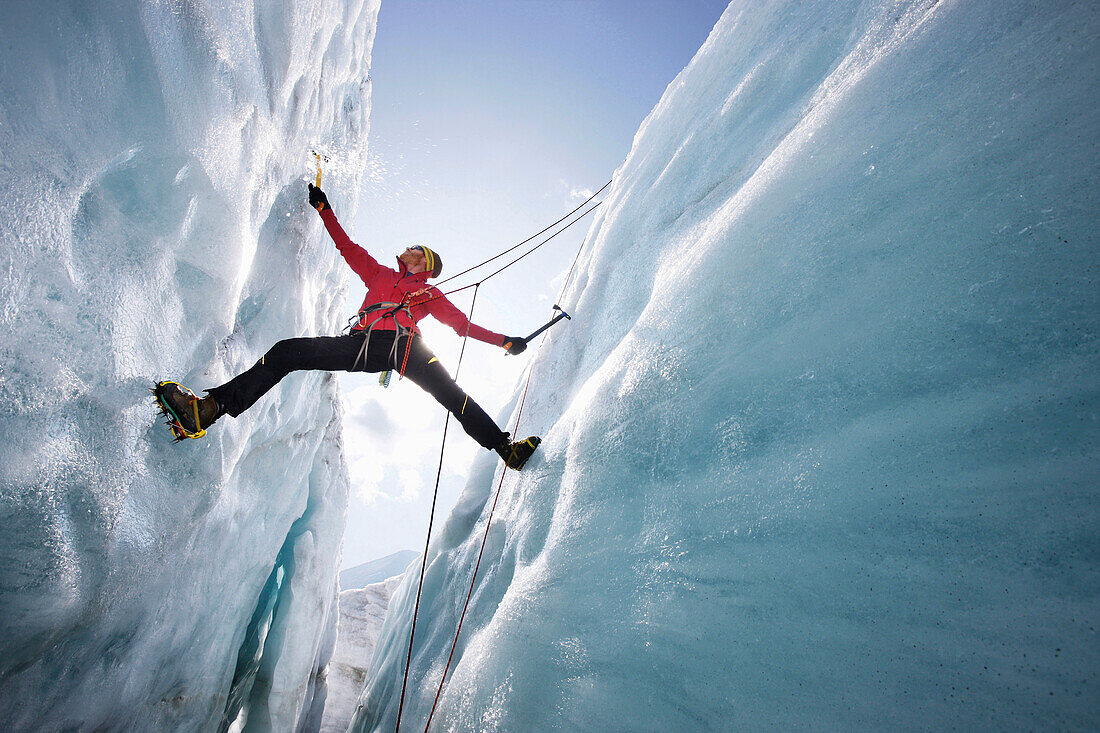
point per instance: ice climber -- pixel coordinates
(384, 337)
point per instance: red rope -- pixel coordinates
(485, 534)
(439, 470)
(431, 518)
(477, 565)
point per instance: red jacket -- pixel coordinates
(400, 286)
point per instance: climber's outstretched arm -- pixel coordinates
(445, 312)
(357, 258)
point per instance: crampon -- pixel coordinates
(180, 408)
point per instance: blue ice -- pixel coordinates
(151, 152)
(821, 440)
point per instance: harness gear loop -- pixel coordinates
(399, 332)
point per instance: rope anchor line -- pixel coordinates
(561, 314)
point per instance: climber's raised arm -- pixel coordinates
(357, 258)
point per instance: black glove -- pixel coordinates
(515, 344)
(317, 198)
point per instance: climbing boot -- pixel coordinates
(188, 416)
(516, 454)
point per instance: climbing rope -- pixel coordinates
(533, 236)
(431, 521)
(489, 521)
(437, 294)
(446, 424)
(496, 272)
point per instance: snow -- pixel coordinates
(821, 440)
(378, 570)
(154, 226)
(362, 611)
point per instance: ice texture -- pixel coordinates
(362, 611)
(821, 439)
(154, 226)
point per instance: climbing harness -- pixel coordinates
(431, 519)
(392, 309)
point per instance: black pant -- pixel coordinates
(339, 353)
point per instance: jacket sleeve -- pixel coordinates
(357, 258)
(445, 312)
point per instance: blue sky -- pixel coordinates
(489, 120)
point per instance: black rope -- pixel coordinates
(431, 519)
(492, 510)
(447, 421)
(517, 246)
(440, 294)
(525, 254)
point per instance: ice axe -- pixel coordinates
(318, 157)
(551, 322)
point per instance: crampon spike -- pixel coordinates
(170, 418)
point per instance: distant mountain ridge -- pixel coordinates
(376, 570)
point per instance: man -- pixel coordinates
(385, 337)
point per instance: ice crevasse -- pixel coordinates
(821, 439)
(154, 226)
(820, 442)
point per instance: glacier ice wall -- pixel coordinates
(154, 227)
(821, 440)
(362, 612)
